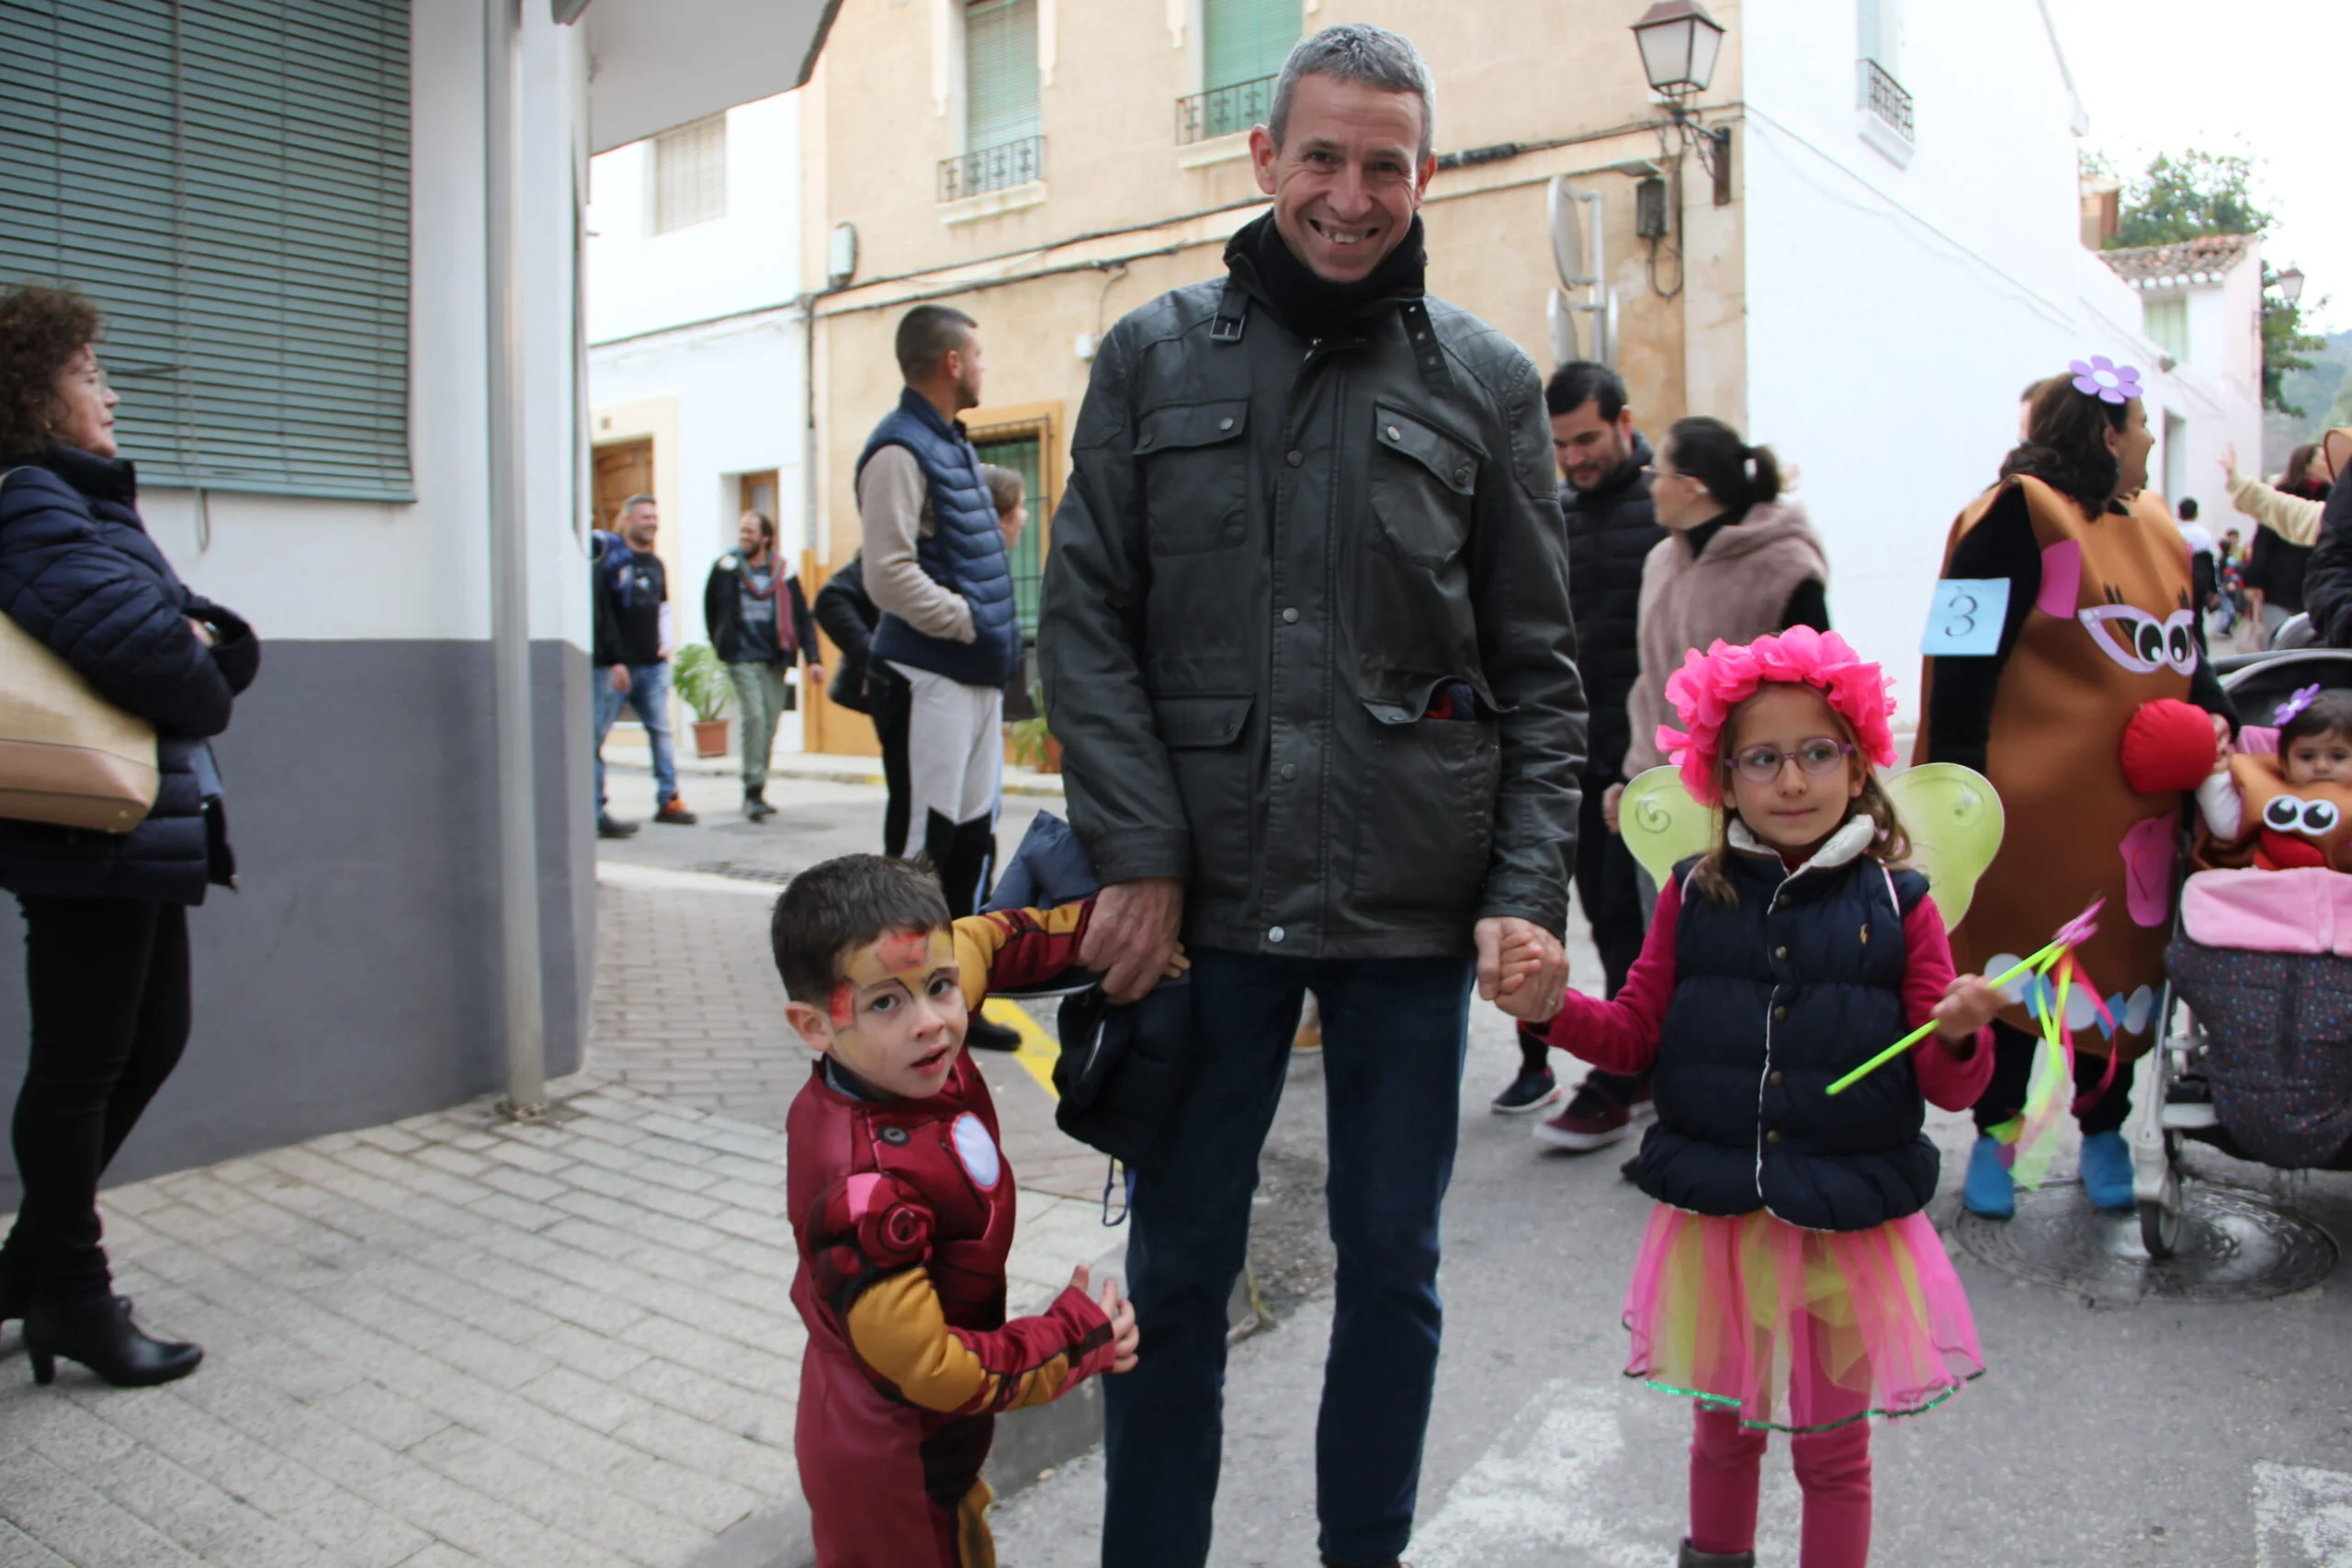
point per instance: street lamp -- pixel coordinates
(1680, 42)
(2290, 284)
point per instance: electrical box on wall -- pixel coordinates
(1652, 217)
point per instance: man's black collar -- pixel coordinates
(1313, 307)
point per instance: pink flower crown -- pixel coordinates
(1711, 685)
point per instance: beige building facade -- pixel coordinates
(935, 170)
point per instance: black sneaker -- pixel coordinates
(756, 806)
(1534, 1089)
(987, 1034)
(611, 827)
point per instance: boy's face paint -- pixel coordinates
(897, 1015)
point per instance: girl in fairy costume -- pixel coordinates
(1789, 1279)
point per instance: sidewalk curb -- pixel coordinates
(816, 768)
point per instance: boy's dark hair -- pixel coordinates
(1580, 381)
(2329, 713)
(842, 904)
(2189, 509)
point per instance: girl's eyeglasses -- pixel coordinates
(1762, 764)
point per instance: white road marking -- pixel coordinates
(1558, 1487)
(2302, 1518)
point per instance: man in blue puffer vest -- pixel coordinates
(935, 566)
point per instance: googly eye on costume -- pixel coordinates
(2139, 641)
(2310, 818)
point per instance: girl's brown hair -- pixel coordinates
(1890, 846)
(40, 332)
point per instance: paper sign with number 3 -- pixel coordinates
(1967, 616)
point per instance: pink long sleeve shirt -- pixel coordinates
(1620, 1035)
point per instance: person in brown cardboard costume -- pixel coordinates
(2099, 646)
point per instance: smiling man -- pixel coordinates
(1308, 648)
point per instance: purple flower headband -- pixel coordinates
(2102, 378)
(2302, 699)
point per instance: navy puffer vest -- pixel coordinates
(963, 552)
(1776, 996)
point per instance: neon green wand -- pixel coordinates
(2073, 932)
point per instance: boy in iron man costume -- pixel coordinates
(902, 1206)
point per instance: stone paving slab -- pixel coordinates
(449, 1341)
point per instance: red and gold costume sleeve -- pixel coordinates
(868, 1240)
(897, 1330)
(1018, 947)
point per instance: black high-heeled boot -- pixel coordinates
(98, 1333)
(15, 1293)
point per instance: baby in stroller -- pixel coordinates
(2263, 956)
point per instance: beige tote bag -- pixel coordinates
(67, 755)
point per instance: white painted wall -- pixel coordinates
(741, 390)
(346, 572)
(701, 318)
(1896, 312)
(2216, 390)
(749, 260)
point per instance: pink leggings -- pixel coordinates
(1833, 1469)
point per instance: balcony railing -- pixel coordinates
(1221, 111)
(1883, 96)
(1000, 167)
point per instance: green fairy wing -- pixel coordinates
(1661, 824)
(1955, 822)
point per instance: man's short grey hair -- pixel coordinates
(633, 502)
(1358, 51)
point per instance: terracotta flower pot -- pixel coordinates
(710, 737)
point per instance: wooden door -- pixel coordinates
(624, 468)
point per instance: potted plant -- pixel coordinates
(1033, 744)
(701, 681)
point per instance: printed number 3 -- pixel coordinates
(1960, 617)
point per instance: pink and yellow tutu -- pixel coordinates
(1795, 1330)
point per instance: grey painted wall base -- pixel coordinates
(354, 980)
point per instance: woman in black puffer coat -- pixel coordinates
(106, 915)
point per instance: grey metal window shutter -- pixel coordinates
(228, 180)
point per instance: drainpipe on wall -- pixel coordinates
(510, 600)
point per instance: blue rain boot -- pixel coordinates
(1989, 1191)
(2107, 1169)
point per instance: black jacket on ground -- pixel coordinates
(722, 611)
(1610, 530)
(79, 572)
(849, 616)
(1306, 636)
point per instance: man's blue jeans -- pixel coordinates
(648, 693)
(1393, 1033)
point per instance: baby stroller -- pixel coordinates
(2257, 1056)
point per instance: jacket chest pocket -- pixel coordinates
(1423, 480)
(1196, 468)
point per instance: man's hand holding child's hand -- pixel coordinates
(1120, 1311)
(1968, 1006)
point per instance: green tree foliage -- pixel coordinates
(2198, 194)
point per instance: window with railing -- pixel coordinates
(1882, 98)
(1000, 102)
(1243, 45)
(993, 168)
(1224, 111)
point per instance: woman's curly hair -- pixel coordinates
(40, 331)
